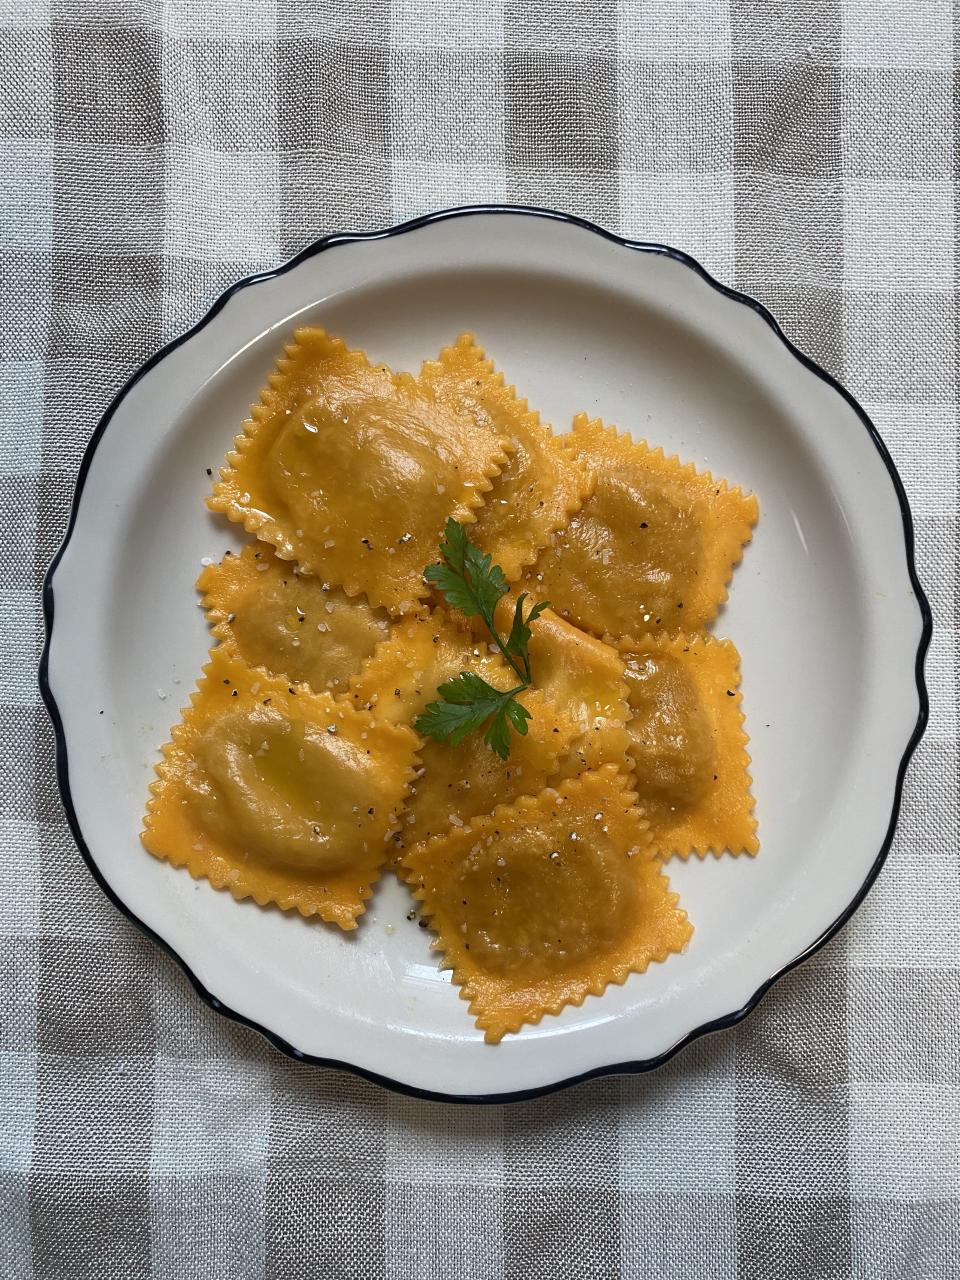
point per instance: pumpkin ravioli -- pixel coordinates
(278, 794)
(547, 901)
(541, 485)
(688, 744)
(291, 624)
(654, 547)
(352, 470)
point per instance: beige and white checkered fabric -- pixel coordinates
(153, 151)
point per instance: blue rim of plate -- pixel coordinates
(619, 1068)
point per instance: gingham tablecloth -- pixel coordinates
(152, 153)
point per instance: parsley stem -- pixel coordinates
(510, 693)
(524, 676)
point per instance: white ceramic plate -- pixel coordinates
(826, 610)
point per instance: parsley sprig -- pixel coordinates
(471, 583)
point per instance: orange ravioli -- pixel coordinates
(278, 794)
(688, 744)
(655, 546)
(455, 784)
(351, 470)
(291, 624)
(541, 486)
(547, 901)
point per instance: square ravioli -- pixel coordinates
(352, 470)
(289, 623)
(547, 901)
(654, 547)
(541, 485)
(278, 794)
(688, 744)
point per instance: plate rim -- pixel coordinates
(632, 1067)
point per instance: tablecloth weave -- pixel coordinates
(154, 151)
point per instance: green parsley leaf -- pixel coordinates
(466, 577)
(520, 632)
(450, 721)
(468, 701)
(469, 687)
(453, 549)
(519, 716)
(497, 736)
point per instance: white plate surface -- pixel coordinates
(824, 610)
